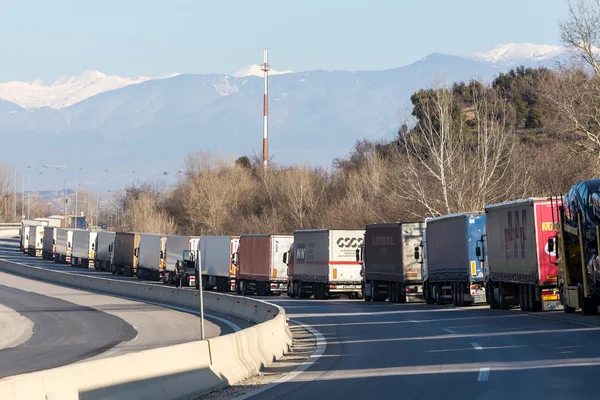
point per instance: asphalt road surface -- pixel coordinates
(63, 332)
(416, 351)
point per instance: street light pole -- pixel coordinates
(66, 177)
(23, 198)
(76, 194)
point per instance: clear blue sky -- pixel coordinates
(46, 39)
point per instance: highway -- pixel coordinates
(415, 351)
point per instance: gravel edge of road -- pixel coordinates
(304, 344)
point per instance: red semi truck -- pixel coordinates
(259, 264)
(520, 266)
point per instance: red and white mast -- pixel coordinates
(266, 68)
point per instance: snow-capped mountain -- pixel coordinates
(514, 54)
(256, 70)
(138, 123)
(66, 90)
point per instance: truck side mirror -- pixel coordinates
(162, 254)
(286, 256)
(235, 258)
(359, 255)
(135, 251)
(110, 248)
(551, 245)
(417, 253)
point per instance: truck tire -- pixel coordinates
(588, 306)
(567, 308)
(366, 296)
(536, 305)
(523, 300)
(460, 294)
(428, 295)
(454, 294)
(438, 295)
(302, 293)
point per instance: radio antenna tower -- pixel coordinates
(266, 68)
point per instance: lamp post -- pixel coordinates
(66, 176)
(29, 170)
(76, 193)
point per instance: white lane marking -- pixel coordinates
(484, 374)
(476, 346)
(321, 346)
(137, 334)
(449, 330)
(412, 320)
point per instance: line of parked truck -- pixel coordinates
(536, 254)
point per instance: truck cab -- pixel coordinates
(578, 247)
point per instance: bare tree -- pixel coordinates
(142, 215)
(7, 197)
(450, 167)
(573, 96)
(214, 192)
(581, 32)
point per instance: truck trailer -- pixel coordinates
(151, 258)
(24, 232)
(64, 243)
(105, 242)
(391, 261)
(324, 263)
(218, 271)
(453, 272)
(36, 240)
(49, 244)
(84, 248)
(577, 244)
(175, 247)
(125, 253)
(260, 267)
(519, 269)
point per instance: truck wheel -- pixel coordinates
(460, 294)
(536, 305)
(301, 293)
(437, 289)
(567, 308)
(366, 296)
(588, 306)
(454, 299)
(524, 298)
(290, 291)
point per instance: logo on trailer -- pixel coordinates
(349, 242)
(300, 254)
(547, 226)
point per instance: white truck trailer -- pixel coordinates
(64, 245)
(84, 248)
(36, 240)
(218, 271)
(174, 249)
(49, 243)
(323, 263)
(105, 242)
(151, 256)
(24, 232)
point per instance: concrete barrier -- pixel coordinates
(175, 372)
